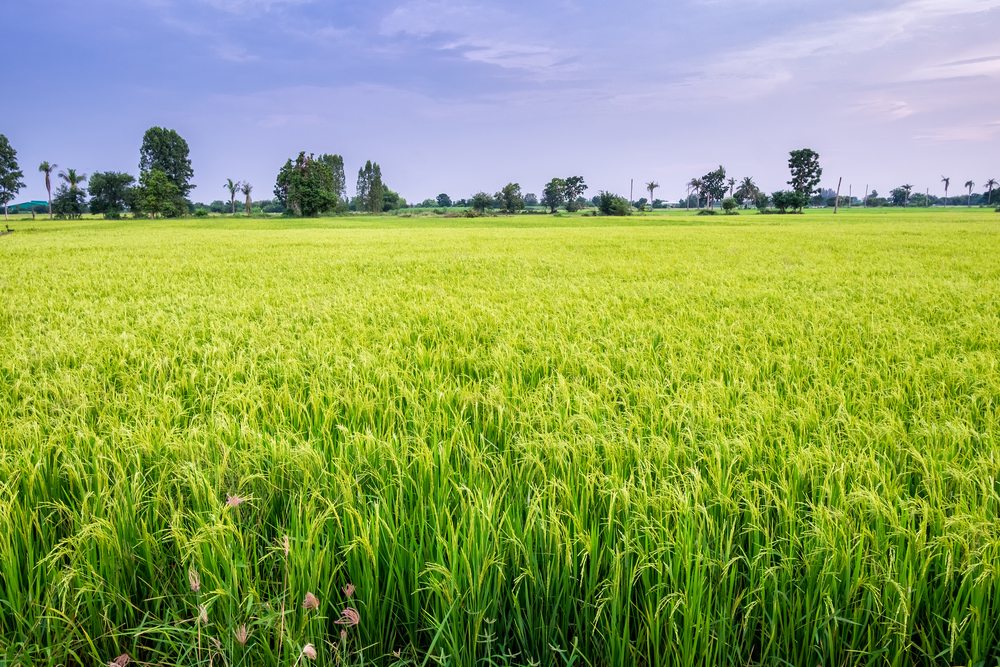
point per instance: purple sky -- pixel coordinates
(458, 97)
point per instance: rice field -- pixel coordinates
(669, 441)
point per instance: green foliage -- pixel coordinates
(554, 194)
(509, 199)
(110, 193)
(444, 201)
(158, 196)
(306, 187)
(70, 203)
(729, 205)
(531, 199)
(713, 185)
(370, 188)
(806, 172)
(10, 173)
(612, 204)
(583, 442)
(787, 201)
(166, 151)
(574, 189)
(761, 201)
(336, 165)
(481, 202)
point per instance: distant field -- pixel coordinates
(663, 440)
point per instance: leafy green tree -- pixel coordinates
(901, 195)
(481, 202)
(233, 187)
(48, 168)
(110, 193)
(392, 200)
(157, 195)
(69, 203)
(336, 165)
(785, 200)
(806, 172)
(168, 152)
(729, 205)
(10, 174)
(370, 188)
(714, 185)
(247, 189)
(443, 200)
(531, 199)
(554, 194)
(612, 204)
(574, 189)
(305, 187)
(509, 199)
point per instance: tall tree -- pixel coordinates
(336, 165)
(969, 185)
(714, 184)
(157, 195)
(247, 189)
(554, 194)
(651, 188)
(443, 200)
(806, 172)
(47, 168)
(370, 190)
(510, 198)
(167, 151)
(990, 184)
(110, 192)
(305, 187)
(10, 174)
(233, 187)
(947, 183)
(481, 202)
(697, 186)
(72, 179)
(747, 192)
(575, 187)
(732, 186)
(70, 201)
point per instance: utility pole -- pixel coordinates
(631, 191)
(866, 195)
(850, 196)
(836, 203)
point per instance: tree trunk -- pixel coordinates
(836, 203)
(48, 188)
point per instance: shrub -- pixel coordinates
(201, 213)
(612, 204)
(729, 205)
(789, 199)
(707, 211)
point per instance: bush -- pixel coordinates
(612, 204)
(729, 205)
(789, 199)
(762, 201)
(201, 213)
(707, 211)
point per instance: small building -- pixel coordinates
(29, 207)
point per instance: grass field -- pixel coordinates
(662, 441)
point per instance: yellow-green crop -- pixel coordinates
(661, 441)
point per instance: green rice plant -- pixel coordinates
(657, 440)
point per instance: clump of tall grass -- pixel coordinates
(656, 444)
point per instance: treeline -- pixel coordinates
(310, 185)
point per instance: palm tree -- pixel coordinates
(651, 187)
(246, 189)
(947, 183)
(47, 169)
(233, 187)
(970, 185)
(908, 189)
(732, 185)
(696, 185)
(992, 183)
(72, 179)
(748, 190)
